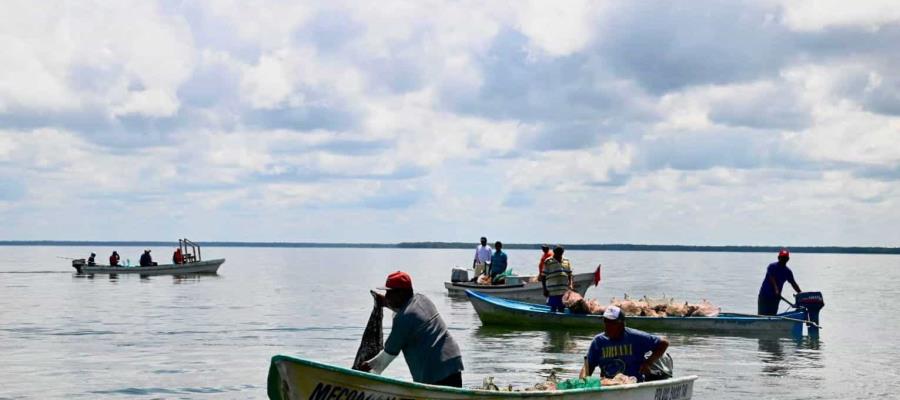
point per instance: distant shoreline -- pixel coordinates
(462, 245)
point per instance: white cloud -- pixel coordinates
(813, 15)
(126, 56)
(559, 29)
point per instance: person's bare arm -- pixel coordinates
(586, 370)
(657, 353)
(796, 286)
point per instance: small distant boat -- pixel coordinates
(523, 288)
(189, 268)
(503, 312)
(297, 378)
(193, 264)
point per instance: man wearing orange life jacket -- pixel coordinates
(178, 257)
(546, 253)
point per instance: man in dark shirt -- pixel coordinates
(431, 354)
(498, 262)
(770, 291)
(146, 259)
(622, 350)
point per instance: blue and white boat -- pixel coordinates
(503, 312)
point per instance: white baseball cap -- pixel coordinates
(613, 313)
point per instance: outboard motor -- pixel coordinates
(78, 264)
(813, 303)
(459, 275)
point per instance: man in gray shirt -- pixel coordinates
(421, 334)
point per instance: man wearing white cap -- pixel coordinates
(622, 350)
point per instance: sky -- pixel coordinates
(698, 123)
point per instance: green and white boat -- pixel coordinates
(297, 378)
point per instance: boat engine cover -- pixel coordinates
(812, 301)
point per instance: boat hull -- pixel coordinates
(199, 267)
(295, 378)
(532, 292)
(504, 312)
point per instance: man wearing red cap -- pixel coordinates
(770, 291)
(420, 333)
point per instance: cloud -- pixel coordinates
(420, 121)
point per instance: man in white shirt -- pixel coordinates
(482, 258)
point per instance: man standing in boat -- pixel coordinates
(420, 333)
(770, 290)
(622, 350)
(557, 279)
(498, 263)
(482, 258)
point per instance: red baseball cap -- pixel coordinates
(397, 280)
(784, 253)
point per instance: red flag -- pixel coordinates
(597, 275)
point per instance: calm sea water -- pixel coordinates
(64, 336)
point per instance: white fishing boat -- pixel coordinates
(193, 264)
(196, 267)
(517, 287)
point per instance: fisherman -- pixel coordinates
(91, 259)
(420, 333)
(557, 279)
(498, 263)
(770, 290)
(114, 259)
(622, 350)
(178, 257)
(146, 259)
(482, 258)
(545, 254)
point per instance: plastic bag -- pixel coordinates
(577, 383)
(663, 368)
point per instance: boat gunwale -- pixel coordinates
(477, 392)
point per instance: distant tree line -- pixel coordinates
(466, 245)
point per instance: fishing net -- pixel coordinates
(373, 338)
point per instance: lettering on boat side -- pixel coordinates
(676, 392)
(324, 391)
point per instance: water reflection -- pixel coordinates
(782, 356)
(559, 342)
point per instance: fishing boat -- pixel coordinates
(297, 378)
(517, 287)
(193, 264)
(503, 312)
(188, 268)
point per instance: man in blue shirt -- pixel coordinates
(770, 290)
(498, 261)
(622, 350)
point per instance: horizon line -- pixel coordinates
(466, 245)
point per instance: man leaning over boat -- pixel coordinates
(431, 354)
(621, 350)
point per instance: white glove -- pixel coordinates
(380, 362)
